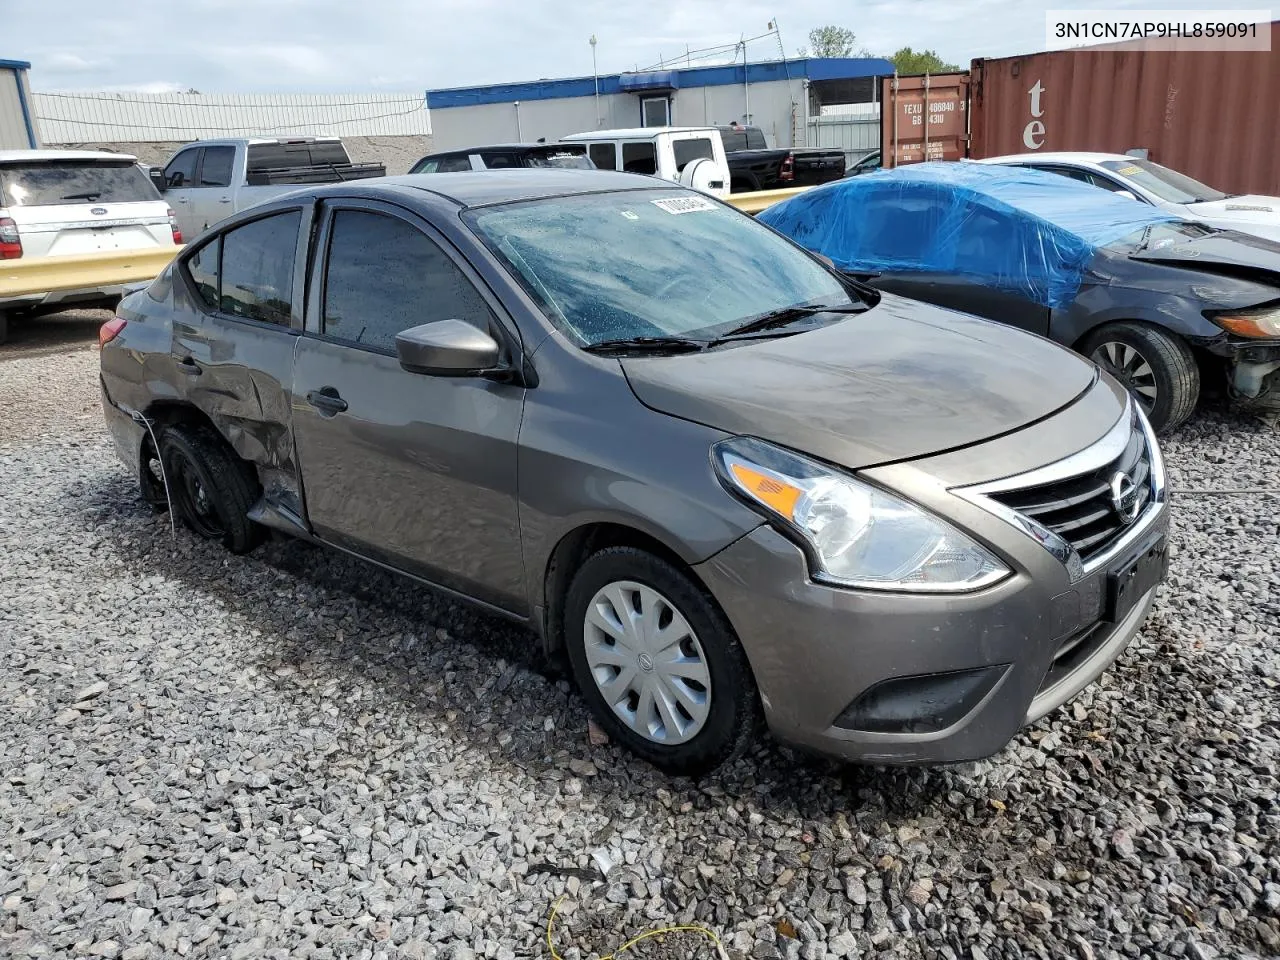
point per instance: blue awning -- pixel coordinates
(657, 80)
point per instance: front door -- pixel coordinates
(414, 471)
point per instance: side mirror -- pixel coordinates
(1128, 194)
(447, 348)
(157, 178)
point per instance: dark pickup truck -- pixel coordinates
(754, 166)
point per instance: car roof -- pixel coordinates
(1064, 156)
(477, 189)
(28, 156)
(634, 133)
(500, 146)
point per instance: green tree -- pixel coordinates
(831, 41)
(908, 61)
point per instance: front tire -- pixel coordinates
(210, 488)
(658, 663)
(1156, 367)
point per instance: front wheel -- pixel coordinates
(657, 662)
(1156, 367)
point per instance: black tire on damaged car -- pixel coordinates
(735, 715)
(1174, 370)
(211, 489)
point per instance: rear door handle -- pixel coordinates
(188, 366)
(327, 401)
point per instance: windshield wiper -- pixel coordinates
(647, 345)
(780, 318)
(88, 195)
(1144, 239)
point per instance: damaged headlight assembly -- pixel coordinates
(856, 535)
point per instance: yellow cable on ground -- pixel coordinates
(692, 928)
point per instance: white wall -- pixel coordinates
(455, 127)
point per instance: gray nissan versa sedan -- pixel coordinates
(727, 482)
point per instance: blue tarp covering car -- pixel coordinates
(1022, 231)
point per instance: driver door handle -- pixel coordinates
(327, 401)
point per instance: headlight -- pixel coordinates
(858, 535)
(1256, 322)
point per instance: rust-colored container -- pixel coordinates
(1209, 114)
(924, 118)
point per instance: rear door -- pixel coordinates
(211, 194)
(66, 207)
(698, 145)
(233, 348)
(413, 471)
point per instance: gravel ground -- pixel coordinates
(294, 754)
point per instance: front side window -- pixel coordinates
(603, 155)
(454, 164)
(425, 166)
(693, 267)
(640, 157)
(1168, 185)
(181, 171)
(256, 275)
(499, 161)
(696, 148)
(384, 276)
(216, 169)
(56, 182)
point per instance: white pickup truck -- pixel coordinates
(693, 156)
(209, 180)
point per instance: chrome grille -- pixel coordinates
(1079, 509)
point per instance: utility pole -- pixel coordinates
(595, 75)
(746, 86)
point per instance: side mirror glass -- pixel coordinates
(157, 178)
(447, 348)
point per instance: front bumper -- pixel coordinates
(930, 678)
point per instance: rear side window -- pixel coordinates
(688, 150)
(733, 139)
(203, 267)
(73, 181)
(255, 277)
(384, 276)
(603, 155)
(639, 158)
(181, 171)
(499, 161)
(755, 139)
(216, 169)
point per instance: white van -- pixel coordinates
(64, 202)
(693, 156)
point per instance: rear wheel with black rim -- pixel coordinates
(210, 488)
(1156, 367)
(657, 662)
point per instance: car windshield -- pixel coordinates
(567, 158)
(651, 263)
(1164, 183)
(1156, 235)
(49, 183)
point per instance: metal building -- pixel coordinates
(785, 98)
(17, 126)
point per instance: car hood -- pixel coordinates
(1252, 208)
(1228, 252)
(902, 380)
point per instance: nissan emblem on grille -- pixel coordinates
(1124, 496)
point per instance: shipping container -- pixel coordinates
(1209, 114)
(924, 118)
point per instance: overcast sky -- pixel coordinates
(245, 46)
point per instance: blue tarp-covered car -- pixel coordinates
(1150, 297)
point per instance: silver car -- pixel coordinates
(726, 481)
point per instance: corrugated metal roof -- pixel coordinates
(131, 117)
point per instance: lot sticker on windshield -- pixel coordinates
(683, 204)
(1129, 171)
(630, 215)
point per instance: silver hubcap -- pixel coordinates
(1129, 367)
(647, 662)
